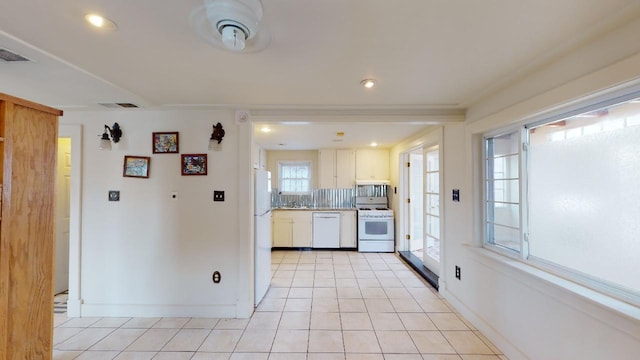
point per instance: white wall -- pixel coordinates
(526, 312)
(149, 255)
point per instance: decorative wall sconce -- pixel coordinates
(216, 138)
(116, 134)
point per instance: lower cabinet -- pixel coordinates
(291, 228)
(281, 233)
(301, 229)
(348, 226)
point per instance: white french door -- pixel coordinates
(416, 213)
(432, 209)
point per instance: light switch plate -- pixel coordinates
(218, 195)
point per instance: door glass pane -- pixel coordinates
(433, 204)
(433, 226)
(433, 248)
(433, 183)
(433, 161)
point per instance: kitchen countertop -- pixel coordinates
(313, 209)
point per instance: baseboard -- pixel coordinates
(126, 310)
(73, 308)
(512, 352)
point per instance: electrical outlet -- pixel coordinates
(217, 277)
(218, 195)
(456, 195)
(458, 272)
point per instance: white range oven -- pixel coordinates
(375, 225)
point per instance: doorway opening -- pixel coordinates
(68, 208)
(63, 216)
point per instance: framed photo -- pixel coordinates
(165, 143)
(194, 164)
(136, 166)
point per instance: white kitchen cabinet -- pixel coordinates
(337, 168)
(255, 157)
(281, 233)
(372, 164)
(301, 228)
(263, 159)
(327, 168)
(345, 168)
(291, 228)
(348, 226)
(259, 158)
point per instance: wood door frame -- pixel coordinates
(74, 131)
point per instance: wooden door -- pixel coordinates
(27, 230)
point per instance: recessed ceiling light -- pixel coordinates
(374, 144)
(265, 129)
(100, 21)
(368, 83)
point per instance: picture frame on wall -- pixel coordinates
(165, 143)
(194, 164)
(136, 166)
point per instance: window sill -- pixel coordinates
(595, 304)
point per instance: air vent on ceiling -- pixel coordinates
(7, 55)
(119, 105)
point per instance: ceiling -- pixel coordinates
(432, 59)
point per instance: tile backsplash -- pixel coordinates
(319, 198)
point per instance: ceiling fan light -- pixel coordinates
(368, 83)
(233, 38)
(100, 21)
(95, 20)
(247, 33)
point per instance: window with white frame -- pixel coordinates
(502, 191)
(569, 202)
(295, 177)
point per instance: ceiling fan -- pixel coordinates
(233, 25)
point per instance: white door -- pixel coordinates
(416, 212)
(63, 188)
(432, 209)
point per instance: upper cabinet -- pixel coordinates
(259, 158)
(372, 164)
(327, 168)
(337, 168)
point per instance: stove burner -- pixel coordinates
(382, 208)
(364, 209)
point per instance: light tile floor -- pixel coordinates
(322, 305)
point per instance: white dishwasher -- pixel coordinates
(326, 230)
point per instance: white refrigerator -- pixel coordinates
(262, 233)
